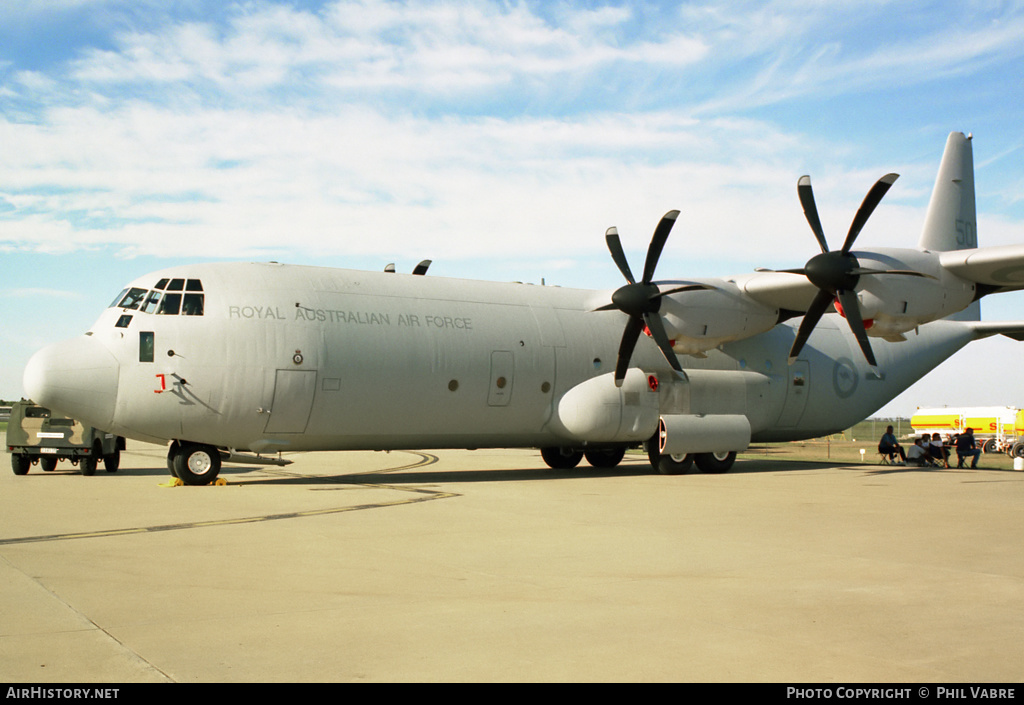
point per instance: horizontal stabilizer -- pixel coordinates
(1011, 329)
(1000, 266)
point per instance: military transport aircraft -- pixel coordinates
(239, 359)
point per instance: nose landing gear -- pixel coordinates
(193, 463)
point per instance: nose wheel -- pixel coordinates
(193, 463)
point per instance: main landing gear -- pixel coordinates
(193, 463)
(712, 463)
(568, 458)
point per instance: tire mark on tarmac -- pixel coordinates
(420, 495)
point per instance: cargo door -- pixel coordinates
(293, 401)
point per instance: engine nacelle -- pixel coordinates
(679, 434)
(896, 303)
(697, 321)
(596, 411)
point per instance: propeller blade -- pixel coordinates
(806, 194)
(836, 273)
(851, 308)
(611, 237)
(641, 301)
(867, 208)
(422, 267)
(817, 308)
(630, 335)
(658, 244)
(798, 270)
(657, 329)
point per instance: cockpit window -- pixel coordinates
(167, 298)
(117, 299)
(133, 298)
(170, 305)
(192, 305)
(152, 299)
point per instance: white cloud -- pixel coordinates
(509, 134)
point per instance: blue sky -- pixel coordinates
(499, 139)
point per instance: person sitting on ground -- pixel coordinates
(967, 448)
(918, 454)
(939, 450)
(889, 447)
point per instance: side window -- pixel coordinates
(147, 346)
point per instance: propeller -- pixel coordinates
(420, 268)
(641, 300)
(836, 272)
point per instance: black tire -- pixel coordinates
(112, 462)
(604, 457)
(561, 458)
(48, 464)
(197, 464)
(172, 453)
(88, 465)
(668, 464)
(20, 463)
(715, 463)
(989, 446)
(1017, 451)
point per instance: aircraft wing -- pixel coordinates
(782, 290)
(1001, 266)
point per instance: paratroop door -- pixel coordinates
(293, 401)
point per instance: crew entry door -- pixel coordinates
(797, 389)
(293, 401)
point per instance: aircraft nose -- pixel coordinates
(77, 377)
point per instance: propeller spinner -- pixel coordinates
(836, 272)
(641, 300)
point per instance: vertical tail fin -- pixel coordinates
(951, 222)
